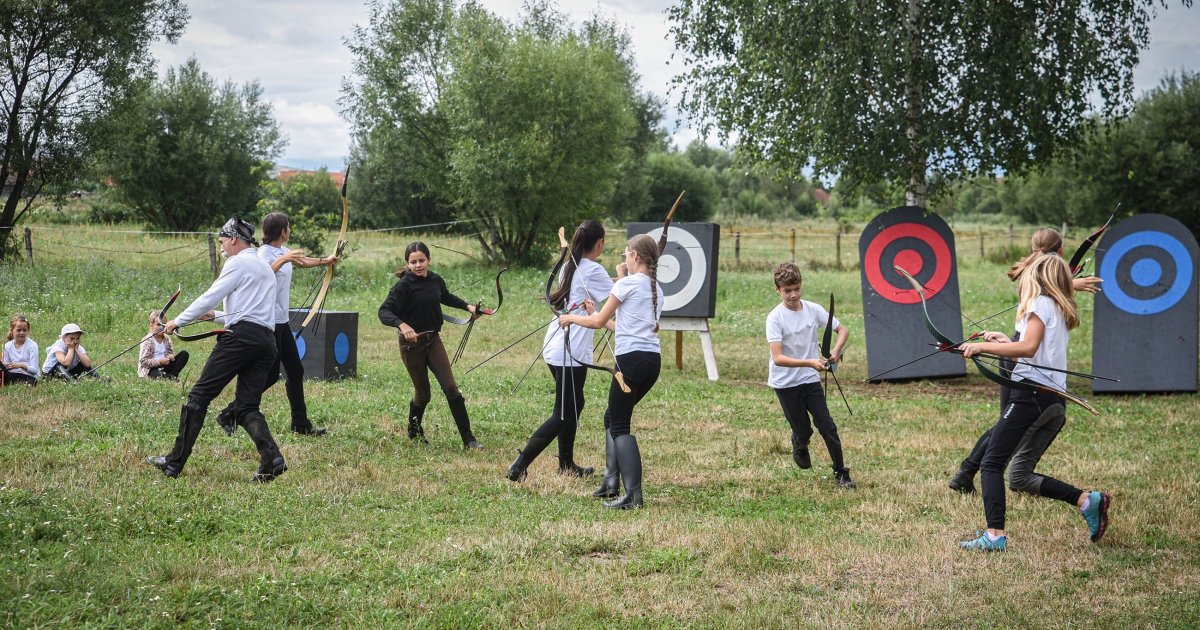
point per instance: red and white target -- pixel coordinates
(916, 248)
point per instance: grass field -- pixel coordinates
(369, 529)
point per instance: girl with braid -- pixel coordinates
(582, 278)
(414, 308)
(637, 302)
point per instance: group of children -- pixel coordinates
(255, 285)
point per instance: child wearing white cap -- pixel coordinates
(66, 358)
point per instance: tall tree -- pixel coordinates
(192, 152)
(914, 93)
(516, 126)
(66, 62)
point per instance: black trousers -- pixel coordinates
(808, 399)
(76, 371)
(172, 369)
(247, 353)
(288, 355)
(12, 378)
(563, 422)
(640, 371)
(1024, 409)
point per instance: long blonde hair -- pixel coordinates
(1044, 241)
(647, 251)
(12, 326)
(1048, 275)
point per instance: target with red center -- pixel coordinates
(923, 245)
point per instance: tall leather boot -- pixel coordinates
(191, 420)
(566, 454)
(610, 487)
(519, 468)
(630, 460)
(271, 463)
(415, 430)
(458, 409)
(227, 419)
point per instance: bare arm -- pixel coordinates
(1023, 349)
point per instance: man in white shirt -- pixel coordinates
(247, 351)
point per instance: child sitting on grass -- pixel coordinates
(795, 360)
(157, 358)
(66, 358)
(19, 359)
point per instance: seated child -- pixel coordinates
(66, 358)
(158, 358)
(19, 359)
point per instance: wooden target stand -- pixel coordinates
(692, 324)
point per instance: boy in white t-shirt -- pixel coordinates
(66, 358)
(795, 365)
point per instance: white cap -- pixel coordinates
(70, 328)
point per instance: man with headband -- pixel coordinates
(247, 286)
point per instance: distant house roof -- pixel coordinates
(286, 174)
(821, 196)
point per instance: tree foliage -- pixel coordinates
(67, 62)
(312, 203)
(519, 126)
(190, 153)
(917, 93)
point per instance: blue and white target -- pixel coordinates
(691, 271)
(1146, 272)
(300, 345)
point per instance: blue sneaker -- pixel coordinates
(1096, 514)
(983, 543)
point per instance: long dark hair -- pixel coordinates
(415, 246)
(273, 225)
(586, 236)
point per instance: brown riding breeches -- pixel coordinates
(425, 355)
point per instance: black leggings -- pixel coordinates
(12, 378)
(172, 369)
(563, 422)
(289, 357)
(798, 404)
(1024, 409)
(640, 371)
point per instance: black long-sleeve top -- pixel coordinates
(414, 300)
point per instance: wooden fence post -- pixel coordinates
(981, 241)
(838, 245)
(29, 246)
(737, 249)
(793, 245)
(212, 255)
(1010, 235)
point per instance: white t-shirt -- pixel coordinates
(797, 330)
(27, 354)
(1053, 350)
(283, 281)
(160, 348)
(52, 359)
(591, 281)
(636, 318)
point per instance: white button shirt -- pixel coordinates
(246, 285)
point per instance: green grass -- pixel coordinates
(369, 529)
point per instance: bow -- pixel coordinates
(562, 258)
(470, 321)
(1077, 264)
(947, 345)
(825, 353)
(317, 303)
(662, 239)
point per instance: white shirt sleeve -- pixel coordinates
(224, 285)
(774, 327)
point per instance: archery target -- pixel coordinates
(1146, 272)
(923, 245)
(328, 348)
(1147, 313)
(687, 269)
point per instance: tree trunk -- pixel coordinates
(914, 103)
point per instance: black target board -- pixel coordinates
(923, 245)
(1147, 311)
(687, 269)
(328, 348)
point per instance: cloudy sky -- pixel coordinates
(296, 50)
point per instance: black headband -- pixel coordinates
(235, 227)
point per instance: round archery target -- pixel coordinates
(682, 268)
(917, 249)
(1146, 272)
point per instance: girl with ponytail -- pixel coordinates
(637, 302)
(582, 281)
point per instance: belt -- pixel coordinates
(246, 322)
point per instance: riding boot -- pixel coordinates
(630, 461)
(519, 469)
(268, 452)
(227, 419)
(610, 487)
(458, 409)
(415, 430)
(191, 420)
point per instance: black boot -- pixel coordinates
(269, 471)
(611, 486)
(800, 453)
(227, 419)
(963, 481)
(415, 431)
(630, 461)
(191, 420)
(307, 429)
(843, 479)
(568, 468)
(458, 409)
(520, 468)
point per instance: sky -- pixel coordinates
(296, 50)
